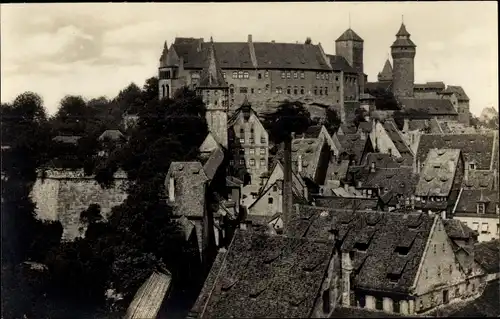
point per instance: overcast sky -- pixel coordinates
(96, 49)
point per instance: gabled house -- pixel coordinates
(271, 276)
(479, 210)
(393, 262)
(387, 139)
(352, 147)
(310, 158)
(439, 183)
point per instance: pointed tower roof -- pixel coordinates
(387, 67)
(349, 35)
(164, 53)
(402, 31)
(211, 76)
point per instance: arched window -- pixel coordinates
(245, 75)
(167, 91)
(240, 75)
(235, 75)
(326, 91)
(315, 90)
(302, 90)
(162, 91)
(288, 90)
(320, 91)
(231, 88)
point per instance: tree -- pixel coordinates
(74, 117)
(333, 120)
(289, 117)
(359, 116)
(150, 89)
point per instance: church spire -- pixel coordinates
(211, 76)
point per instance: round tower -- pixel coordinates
(403, 52)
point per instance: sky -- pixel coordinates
(97, 49)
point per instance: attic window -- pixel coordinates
(480, 208)
(403, 251)
(361, 246)
(472, 166)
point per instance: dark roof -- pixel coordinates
(438, 174)
(382, 160)
(313, 131)
(374, 86)
(341, 312)
(430, 106)
(67, 139)
(365, 127)
(393, 132)
(459, 91)
(457, 230)
(386, 73)
(252, 279)
(474, 147)
(402, 31)
(232, 181)
(349, 35)
(487, 254)
(346, 203)
(339, 63)
(112, 135)
(438, 86)
(268, 55)
(350, 108)
(400, 181)
(382, 233)
(467, 203)
(479, 179)
(211, 76)
(417, 124)
(352, 144)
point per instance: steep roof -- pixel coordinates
(457, 230)
(265, 276)
(150, 296)
(398, 181)
(374, 239)
(403, 38)
(339, 63)
(112, 135)
(475, 147)
(437, 86)
(352, 144)
(459, 91)
(478, 179)
(396, 137)
(487, 254)
(211, 75)
(349, 35)
(402, 31)
(438, 173)
(307, 149)
(430, 106)
(467, 203)
(386, 73)
(238, 55)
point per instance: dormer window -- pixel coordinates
(480, 208)
(472, 166)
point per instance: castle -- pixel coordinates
(270, 72)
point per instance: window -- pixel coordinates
(302, 90)
(472, 166)
(283, 75)
(275, 188)
(231, 162)
(444, 247)
(243, 90)
(262, 162)
(295, 90)
(242, 162)
(242, 140)
(295, 75)
(315, 91)
(252, 151)
(270, 200)
(267, 87)
(439, 271)
(252, 162)
(361, 301)
(240, 75)
(262, 140)
(327, 76)
(288, 90)
(336, 78)
(498, 229)
(379, 305)
(231, 89)
(288, 75)
(484, 228)
(262, 151)
(326, 301)
(338, 88)
(426, 274)
(322, 76)
(317, 76)
(259, 76)
(390, 151)
(259, 90)
(245, 75)
(320, 91)
(251, 140)
(457, 291)
(252, 90)
(480, 208)
(326, 91)
(396, 306)
(224, 75)
(450, 269)
(475, 226)
(279, 90)
(242, 151)
(266, 74)
(235, 75)
(302, 75)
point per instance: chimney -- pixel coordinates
(249, 38)
(171, 189)
(299, 163)
(347, 268)
(372, 167)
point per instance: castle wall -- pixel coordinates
(63, 194)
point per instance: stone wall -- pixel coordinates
(63, 194)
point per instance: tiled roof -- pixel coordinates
(431, 106)
(339, 63)
(313, 131)
(374, 86)
(478, 179)
(382, 160)
(232, 181)
(352, 144)
(190, 179)
(67, 139)
(467, 203)
(350, 108)
(393, 132)
(487, 254)
(438, 173)
(414, 125)
(381, 235)
(474, 147)
(403, 43)
(386, 71)
(459, 91)
(346, 203)
(393, 182)
(337, 171)
(269, 55)
(112, 135)
(265, 276)
(149, 298)
(365, 127)
(351, 312)
(213, 162)
(402, 31)
(349, 35)
(487, 305)
(457, 230)
(308, 148)
(438, 86)
(211, 75)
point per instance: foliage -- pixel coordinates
(333, 120)
(308, 40)
(289, 117)
(384, 99)
(359, 116)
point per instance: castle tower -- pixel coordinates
(168, 72)
(386, 74)
(214, 90)
(350, 46)
(403, 56)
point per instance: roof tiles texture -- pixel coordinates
(479, 179)
(438, 173)
(432, 106)
(265, 277)
(469, 199)
(475, 147)
(190, 179)
(381, 233)
(149, 298)
(352, 144)
(487, 254)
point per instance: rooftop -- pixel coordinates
(438, 173)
